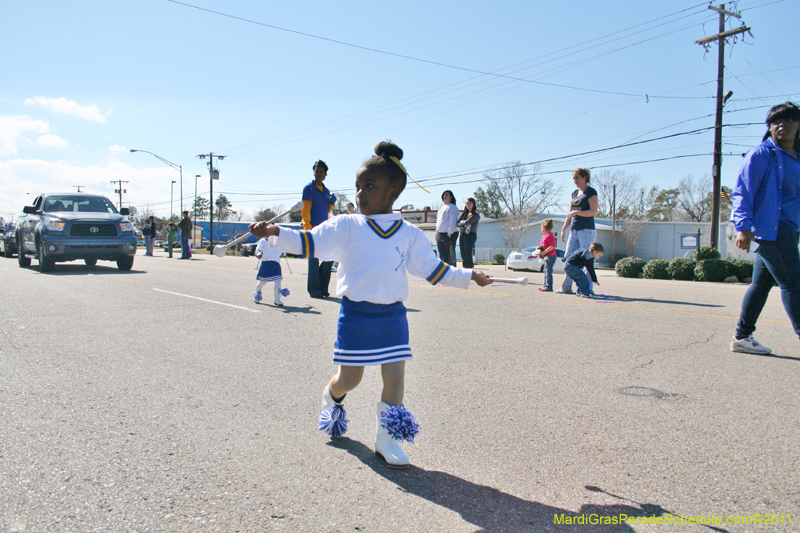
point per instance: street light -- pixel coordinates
(194, 228)
(173, 165)
(171, 210)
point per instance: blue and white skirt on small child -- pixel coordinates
(371, 334)
(269, 271)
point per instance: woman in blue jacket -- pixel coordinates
(766, 209)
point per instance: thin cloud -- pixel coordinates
(117, 149)
(14, 131)
(68, 107)
(52, 141)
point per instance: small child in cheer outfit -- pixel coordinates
(576, 262)
(269, 269)
(376, 251)
(547, 252)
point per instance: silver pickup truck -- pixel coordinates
(69, 226)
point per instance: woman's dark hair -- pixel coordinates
(452, 196)
(382, 162)
(467, 213)
(785, 111)
(320, 163)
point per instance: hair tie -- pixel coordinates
(401, 167)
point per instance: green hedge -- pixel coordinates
(681, 268)
(711, 270)
(706, 252)
(741, 268)
(656, 269)
(629, 267)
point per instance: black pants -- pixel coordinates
(319, 277)
(467, 243)
(447, 247)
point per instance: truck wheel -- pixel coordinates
(45, 265)
(125, 264)
(90, 262)
(23, 261)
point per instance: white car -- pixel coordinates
(528, 259)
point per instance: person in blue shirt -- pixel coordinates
(576, 262)
(317, 204)
(766, 209)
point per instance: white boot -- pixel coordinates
(333, 418)
(276, 291)
(395, 424)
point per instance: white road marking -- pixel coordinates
(209, 301)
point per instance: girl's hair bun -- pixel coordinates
(388, 148)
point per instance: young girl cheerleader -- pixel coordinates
(376, 250)
(269, 269)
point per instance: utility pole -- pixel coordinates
(120, 191)
(214, 175)
(716, 169)
(79, 187)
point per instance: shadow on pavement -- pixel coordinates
(610, 298)
(491, 509)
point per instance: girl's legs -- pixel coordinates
(346, 379)
(276, 292)
(393, 382)
(257, 295)
(394, 423)
(549, 263)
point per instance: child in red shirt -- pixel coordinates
(547, 251)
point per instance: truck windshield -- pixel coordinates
(81, 204)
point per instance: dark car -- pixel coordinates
(249, 248)
(8, 241)
(69, 226)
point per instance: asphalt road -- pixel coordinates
(164, 399)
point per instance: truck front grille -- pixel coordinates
(93, 230)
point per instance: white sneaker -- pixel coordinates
(749, 345)
(562, 291)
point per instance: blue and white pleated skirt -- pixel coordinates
(371, 334)
(269, 271)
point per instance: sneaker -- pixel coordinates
(562, 291)
(588, 295)
(545, 289)
(749, 345)
(257, 297)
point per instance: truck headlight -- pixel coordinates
(125, 226)
(54, 225)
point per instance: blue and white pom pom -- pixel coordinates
(333, 422)
(399, 423)
(284, 292)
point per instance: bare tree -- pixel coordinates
(631, 235)
(694, 197)
(514, 193)
(628, 192)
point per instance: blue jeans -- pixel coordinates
(185, 246)
(581, 278)
(549, 263)
(467, 243)
(319, 277)
(169, 249)
(580, 239)
(148, 248)
(777, 263)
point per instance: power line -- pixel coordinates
(411, 58)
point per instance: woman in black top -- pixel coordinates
(468, 230)
(582, 210)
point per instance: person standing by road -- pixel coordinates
(468, 232)
(171, 231)
(317, 204)
(547, 253)
(766, 209)
(149, 233)
(583, 209)
(185, 226)
(446, 230)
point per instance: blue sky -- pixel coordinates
(86, 81)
